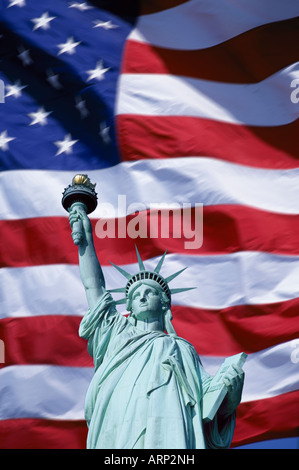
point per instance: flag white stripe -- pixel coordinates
(266, 103)
(198, 24)
(43, 391)
(242, 278)
(165, 181)
(56, 392)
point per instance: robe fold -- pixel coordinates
(147, 389)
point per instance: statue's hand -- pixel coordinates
(233, 380)
(78, 213)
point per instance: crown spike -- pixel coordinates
(170, 278)
(122, 271)
(159, 265)
(181, 289)
(140, 262)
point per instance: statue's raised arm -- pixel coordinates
(80, 199)
(90, 268)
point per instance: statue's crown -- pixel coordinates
(144, 274)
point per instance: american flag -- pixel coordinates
(161, 102)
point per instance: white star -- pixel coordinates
(39, 117)
(104, 133)
(52, 78)
(15, 89)
(43, 21)
(81, 6)
(80, 105)
(98, 72)
(19, 3)
(104, 24)
(65, 145)
(68, 46)
(24, 56)
(4, 139)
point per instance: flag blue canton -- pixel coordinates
(60, 63)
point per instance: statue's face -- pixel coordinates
(146, 302)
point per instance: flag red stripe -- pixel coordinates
(261, 147)
(226, 229)
(248, 328)
(42, 434)
(271, 418)
(47, 339)
(256, 420)
(54, 339)
(237, 60)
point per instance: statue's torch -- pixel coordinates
(79, 193)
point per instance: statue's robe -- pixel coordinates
(147, 389)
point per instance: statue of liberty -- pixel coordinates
(149, 385)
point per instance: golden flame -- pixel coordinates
(81, 179)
